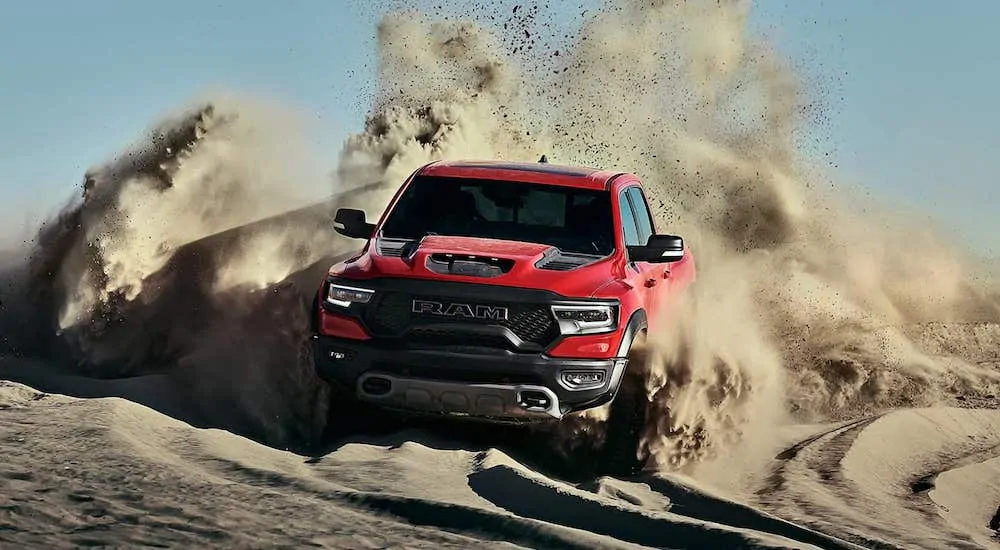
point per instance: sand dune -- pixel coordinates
(127, 474)
(873, 480)
(109, 471)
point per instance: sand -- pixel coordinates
(109, 471)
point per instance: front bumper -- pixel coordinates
(484, 383)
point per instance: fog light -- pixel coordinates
(579, 380)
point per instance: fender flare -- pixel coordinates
(637, 323)
(314, 313)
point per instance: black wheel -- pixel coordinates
(342, 413)
(622, 453)
(348, 416)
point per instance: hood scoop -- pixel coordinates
(557, 260)
(468, 265)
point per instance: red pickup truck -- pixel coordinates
(502, 292)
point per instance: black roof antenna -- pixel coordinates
(544, 160)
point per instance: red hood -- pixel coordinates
(580, 282)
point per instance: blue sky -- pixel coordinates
(911, 87)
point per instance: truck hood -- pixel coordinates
(481, 261)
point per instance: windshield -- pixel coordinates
(574, 220)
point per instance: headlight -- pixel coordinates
(586, 319)
(344, 296)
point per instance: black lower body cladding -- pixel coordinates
(479, 383)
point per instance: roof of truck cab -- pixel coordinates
(529, 172)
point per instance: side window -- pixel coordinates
(643, 219)
(628, 221)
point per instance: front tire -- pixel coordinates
(623, 452)
(346, 415)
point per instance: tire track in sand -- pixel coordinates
(856, 482)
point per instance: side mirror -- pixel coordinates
(658, 249)
(354, 224)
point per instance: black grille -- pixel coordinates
(451, 337)
(388, 314)
(391, 314)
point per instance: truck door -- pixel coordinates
(637, 224)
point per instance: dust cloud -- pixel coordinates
(807, 297)
(190, 253)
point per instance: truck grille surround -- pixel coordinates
(390, 315)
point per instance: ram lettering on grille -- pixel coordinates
(472, 311)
